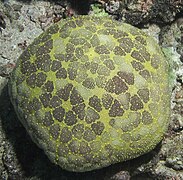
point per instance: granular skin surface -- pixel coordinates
(92, 92)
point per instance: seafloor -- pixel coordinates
(21, 21)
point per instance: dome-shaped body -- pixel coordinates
(92, 92)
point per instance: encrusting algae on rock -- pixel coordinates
(92, 92)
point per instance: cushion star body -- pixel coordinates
(92, 92)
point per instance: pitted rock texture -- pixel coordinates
(92, 92)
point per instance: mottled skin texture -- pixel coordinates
(92, 92)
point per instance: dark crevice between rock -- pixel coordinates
(80, 7)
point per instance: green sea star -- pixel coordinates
(92, 92)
